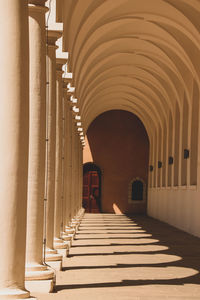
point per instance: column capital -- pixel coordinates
(53, 36)
(60, 62)
(37, 5)
(67, 80)
(37, 2)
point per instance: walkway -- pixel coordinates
(114, 257)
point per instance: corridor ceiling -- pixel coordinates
(137, 55)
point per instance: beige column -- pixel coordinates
(38, 276)
(74, 164)
(73, 147)
(59, 243)
(66, 154)
(80, 179)
(51, 254)
(75, 183)
(77, 172)
(79, 176)
(68, 232)
(14, 128)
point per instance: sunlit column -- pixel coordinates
(35, 269)
(51, 253)
(60, 157)
(68, 231)
(73, 147)
(14, 130)
(75, 182)
(81, 178)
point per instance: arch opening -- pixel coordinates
(119, 143)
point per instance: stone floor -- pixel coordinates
(119, 257)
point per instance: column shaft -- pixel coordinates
(52, 255)
(51, 146)
(14, 127)
(67, 161)
(73, 171)
(69, 166)
(59, 158)
(37, 135)
(35, 269)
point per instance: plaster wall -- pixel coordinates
(119, 146)
(87, 155)
(178, 207)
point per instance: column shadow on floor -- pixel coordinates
(177, 243)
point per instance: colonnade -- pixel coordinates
(40, 153)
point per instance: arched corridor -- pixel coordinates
(116, 84)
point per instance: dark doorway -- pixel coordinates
(91, 188)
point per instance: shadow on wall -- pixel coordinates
(119, 145)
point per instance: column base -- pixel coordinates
(50, 251)
(40, 286)
(53, 259)
(64, 252)
(68, 239)
(74, 226)
(10, 294)
(56, 265)
(39, 278)
(38, 272)
(60, 244)
(69, 230)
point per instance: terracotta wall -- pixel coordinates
(120, 147)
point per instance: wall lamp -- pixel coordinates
(186, 153)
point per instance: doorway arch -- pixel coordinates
(118, 141)
(92, 188)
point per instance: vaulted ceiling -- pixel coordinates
(138, 55)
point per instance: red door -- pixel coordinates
(91, 192)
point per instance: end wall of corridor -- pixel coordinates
(119, 146)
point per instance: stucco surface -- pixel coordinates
(178, 207)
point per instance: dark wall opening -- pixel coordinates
(120, 146)
(137, 190)
(91, 188)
